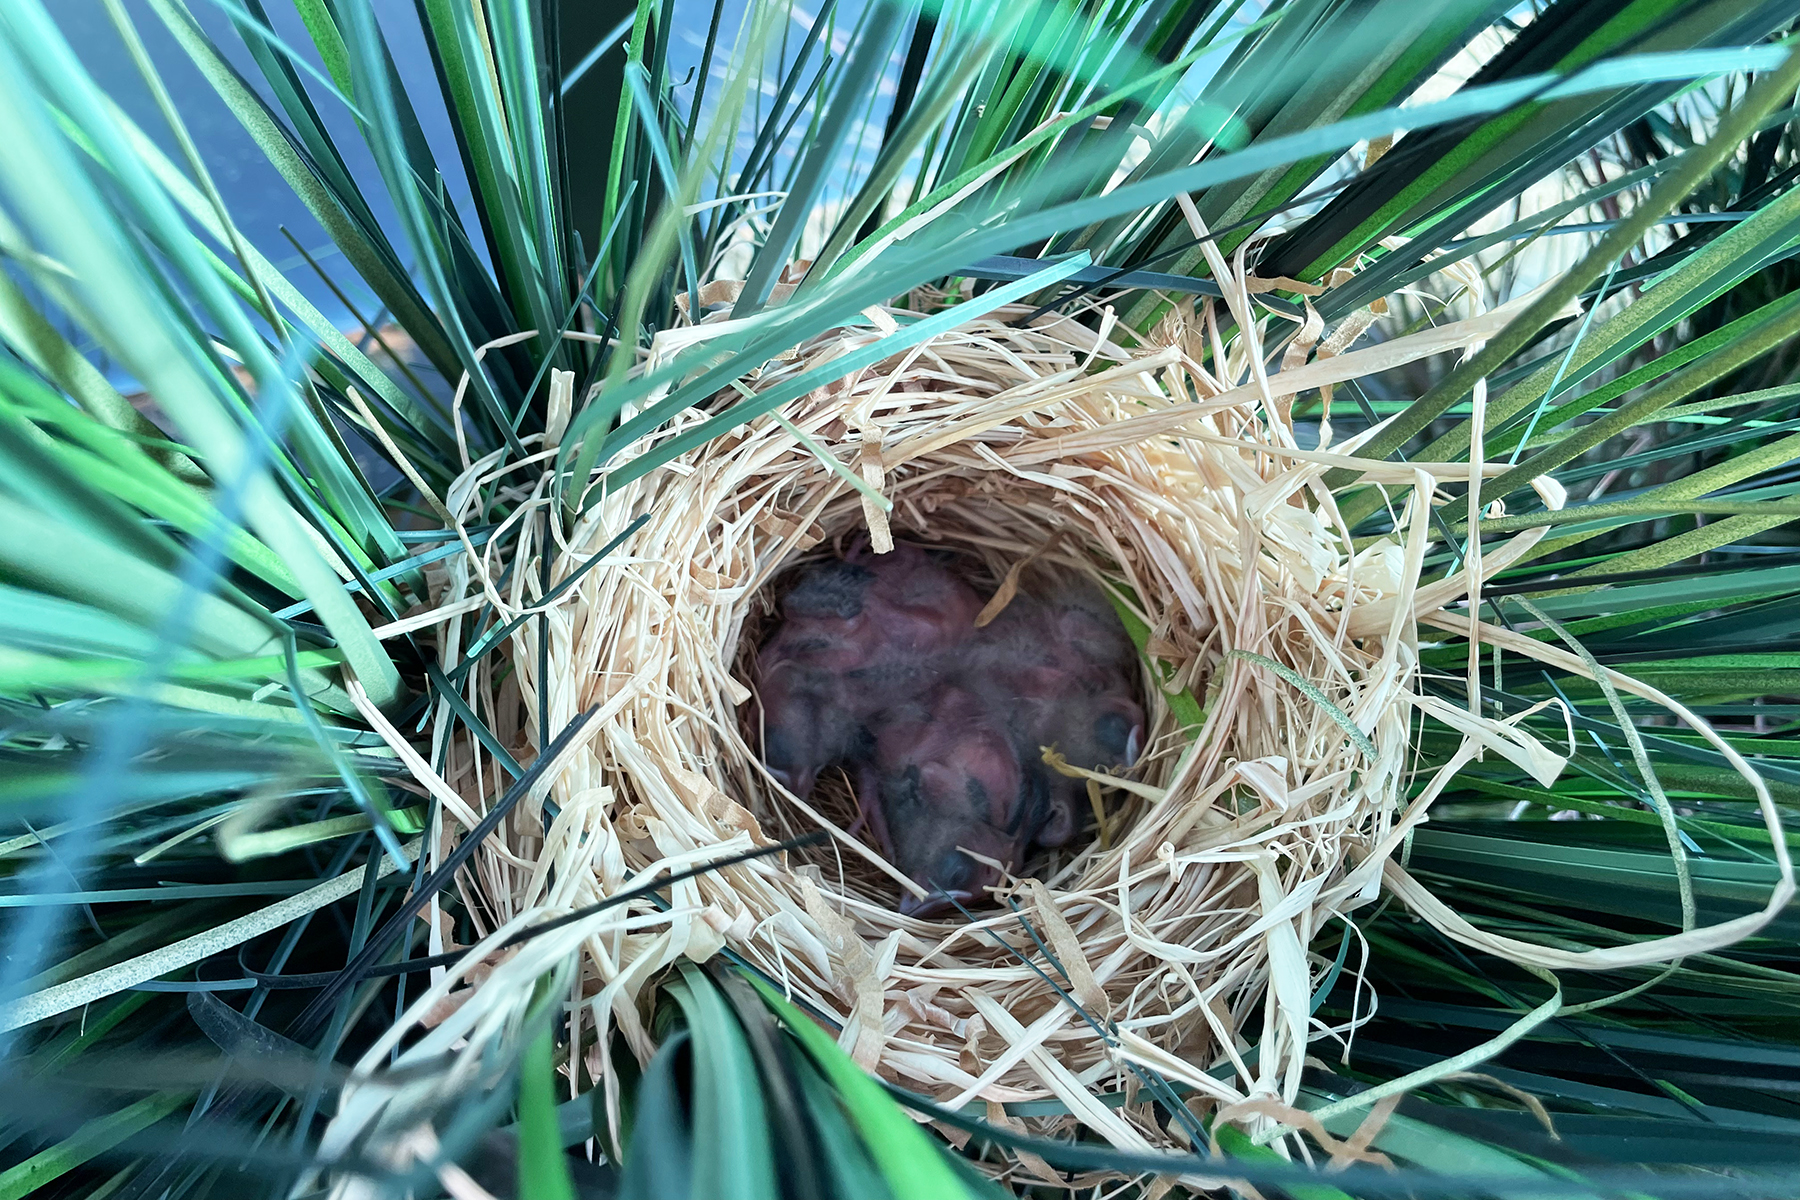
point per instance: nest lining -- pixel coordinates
(1228, 847)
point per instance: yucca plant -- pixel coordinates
(373, 605)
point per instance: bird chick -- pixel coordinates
(1059, 666)
(878, 666)
(858, 634)
(948, 778)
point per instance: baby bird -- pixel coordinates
(1059, 666)
(947, 777)
(878, 666)
(858, 635)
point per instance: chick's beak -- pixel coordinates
(934, 905)
(955, 877)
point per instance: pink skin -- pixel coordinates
(857, 636)
(878, 666)
(948, 778)
(1061, 670)
(1064, 673)
(913, 607)
(808, 722)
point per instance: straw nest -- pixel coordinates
(1181, 928)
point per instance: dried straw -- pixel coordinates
(1182, 933)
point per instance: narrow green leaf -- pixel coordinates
(1669, 190)
(91, 1140)
(865, 63)
(1780, 321)
(904, 338)
(327, 41)
(365, 250)
(25, 329)
(1338, 716)
(913, 1165)
(733, 1156)
(94, 573)
(66, 214)
(543, 1168)
(1235, 1143)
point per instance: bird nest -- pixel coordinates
(1279, 668)
(1267, 773)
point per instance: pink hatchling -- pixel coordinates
(878, 667)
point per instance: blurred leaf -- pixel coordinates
(96, 1137)
(659, 1159)
(543, 1169)
(912, 1165)
(732, 1154)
